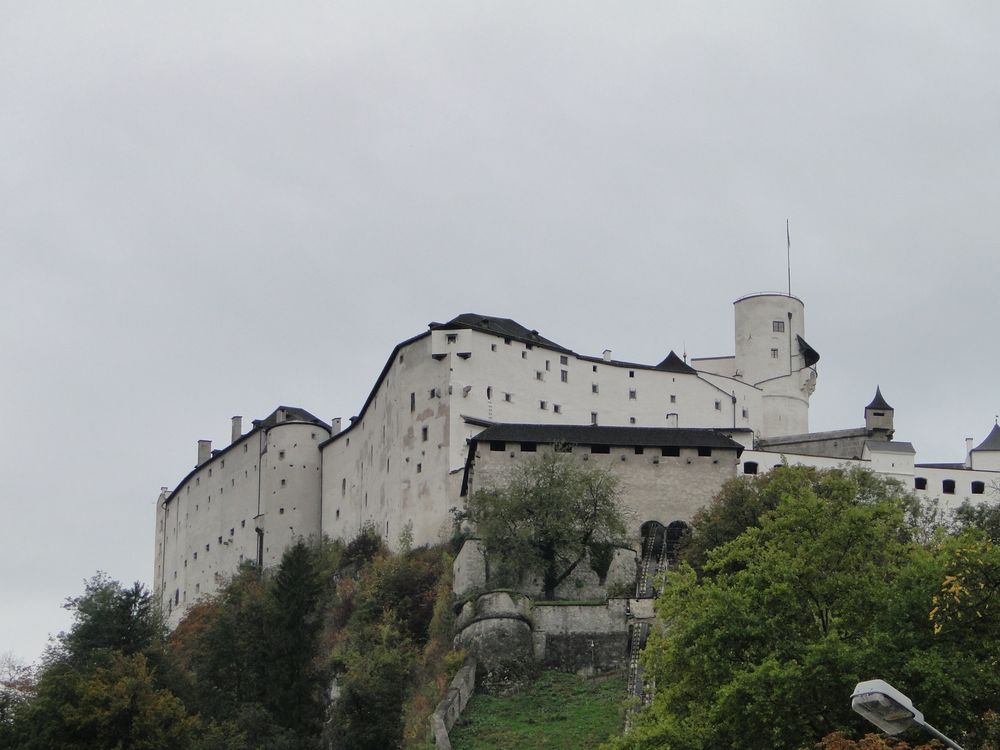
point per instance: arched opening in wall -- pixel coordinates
(672, 539)
(920, 483)
(749, 467)
(948, 486)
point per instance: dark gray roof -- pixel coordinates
(878, 402)
(941, 466)
(673, 363)
(292, 414)
(572, 434)
(992, 441)
(498, 327)
(810, 355)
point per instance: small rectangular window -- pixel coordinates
(528, 447)
(563, 359)
(507, 341)
(498, 445)
(420, 468)
(508, 397)
(489, 392)
(232, 532)
(220, 540)
(207, 548)
(593, 417)
(524, 355)
(424, 432)
(639, 450)
(631, 420)
(750, 467)
(594, 388)
(718, 406)
(493, 347)
(243, 524)
(670, 450)
(543, 404)
(631, 373)
(451, 338)
(978, 488)
(547, 365)
(564, 376)
(948, 486)
(774, 354)
(778, 326)
(600, 449)
(594, 367)
(673, 398)
(413, 402)
(746, 413)
(631, 394)
(281, 511)
(281, 455)
(282, 482)
(539, 375)
(704, 451)
(343, 487)
(557, 408)
(920, 483)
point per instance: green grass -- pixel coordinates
(558, 712)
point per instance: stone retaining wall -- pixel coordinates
(451, 706)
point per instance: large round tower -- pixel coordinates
(772, 354)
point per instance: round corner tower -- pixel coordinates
(772, 354)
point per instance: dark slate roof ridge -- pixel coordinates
(673, 363)
(992, 441)
(946, 465)
(879, 402)
(619, 435)
(506, 327)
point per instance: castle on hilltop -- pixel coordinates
(459, 403)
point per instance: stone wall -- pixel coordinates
(462, 687)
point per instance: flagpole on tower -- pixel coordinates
(788, 257)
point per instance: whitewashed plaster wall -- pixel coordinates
(269, 479)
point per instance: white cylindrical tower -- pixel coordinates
(771, 353)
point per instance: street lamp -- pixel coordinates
(890, 710)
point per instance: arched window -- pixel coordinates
(749, 467)
(948, 486)
(978, 488)
(920, 483)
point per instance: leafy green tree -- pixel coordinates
(825, 590)
(546, 517)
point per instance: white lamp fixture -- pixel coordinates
(890, 710)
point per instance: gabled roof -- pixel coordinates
(889, 446)
(673, 363)
(570, 434)
(292, 414)
(878, 402)
(498, 327)
(991, 443)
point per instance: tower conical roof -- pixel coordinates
(878, 402)
(992, 441)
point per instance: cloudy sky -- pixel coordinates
(209, 209)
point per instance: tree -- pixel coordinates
(828, 589)
(546, 517)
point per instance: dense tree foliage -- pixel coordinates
(546, 518)
(252, 667)
(827, 588)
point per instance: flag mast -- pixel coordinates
(788, 257)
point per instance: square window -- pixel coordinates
(451, 338)
(631, 420)
(557, 408)
(639, 450)
(778, 326)
(507, 341)
(563, 360)
(594, 367)
(281, 511)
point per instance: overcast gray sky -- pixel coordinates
(209, 209)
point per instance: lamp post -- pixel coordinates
(890, 710)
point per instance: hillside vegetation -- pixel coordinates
(251, 668)
(558, 712)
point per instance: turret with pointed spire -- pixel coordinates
(878, 417)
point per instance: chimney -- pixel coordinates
(968, 452)
(237, 428)
(607, 355)
(335, 425)
(204, 451)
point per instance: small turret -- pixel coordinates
(878, 417)
(986, 455)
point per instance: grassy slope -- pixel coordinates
(559, 712)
